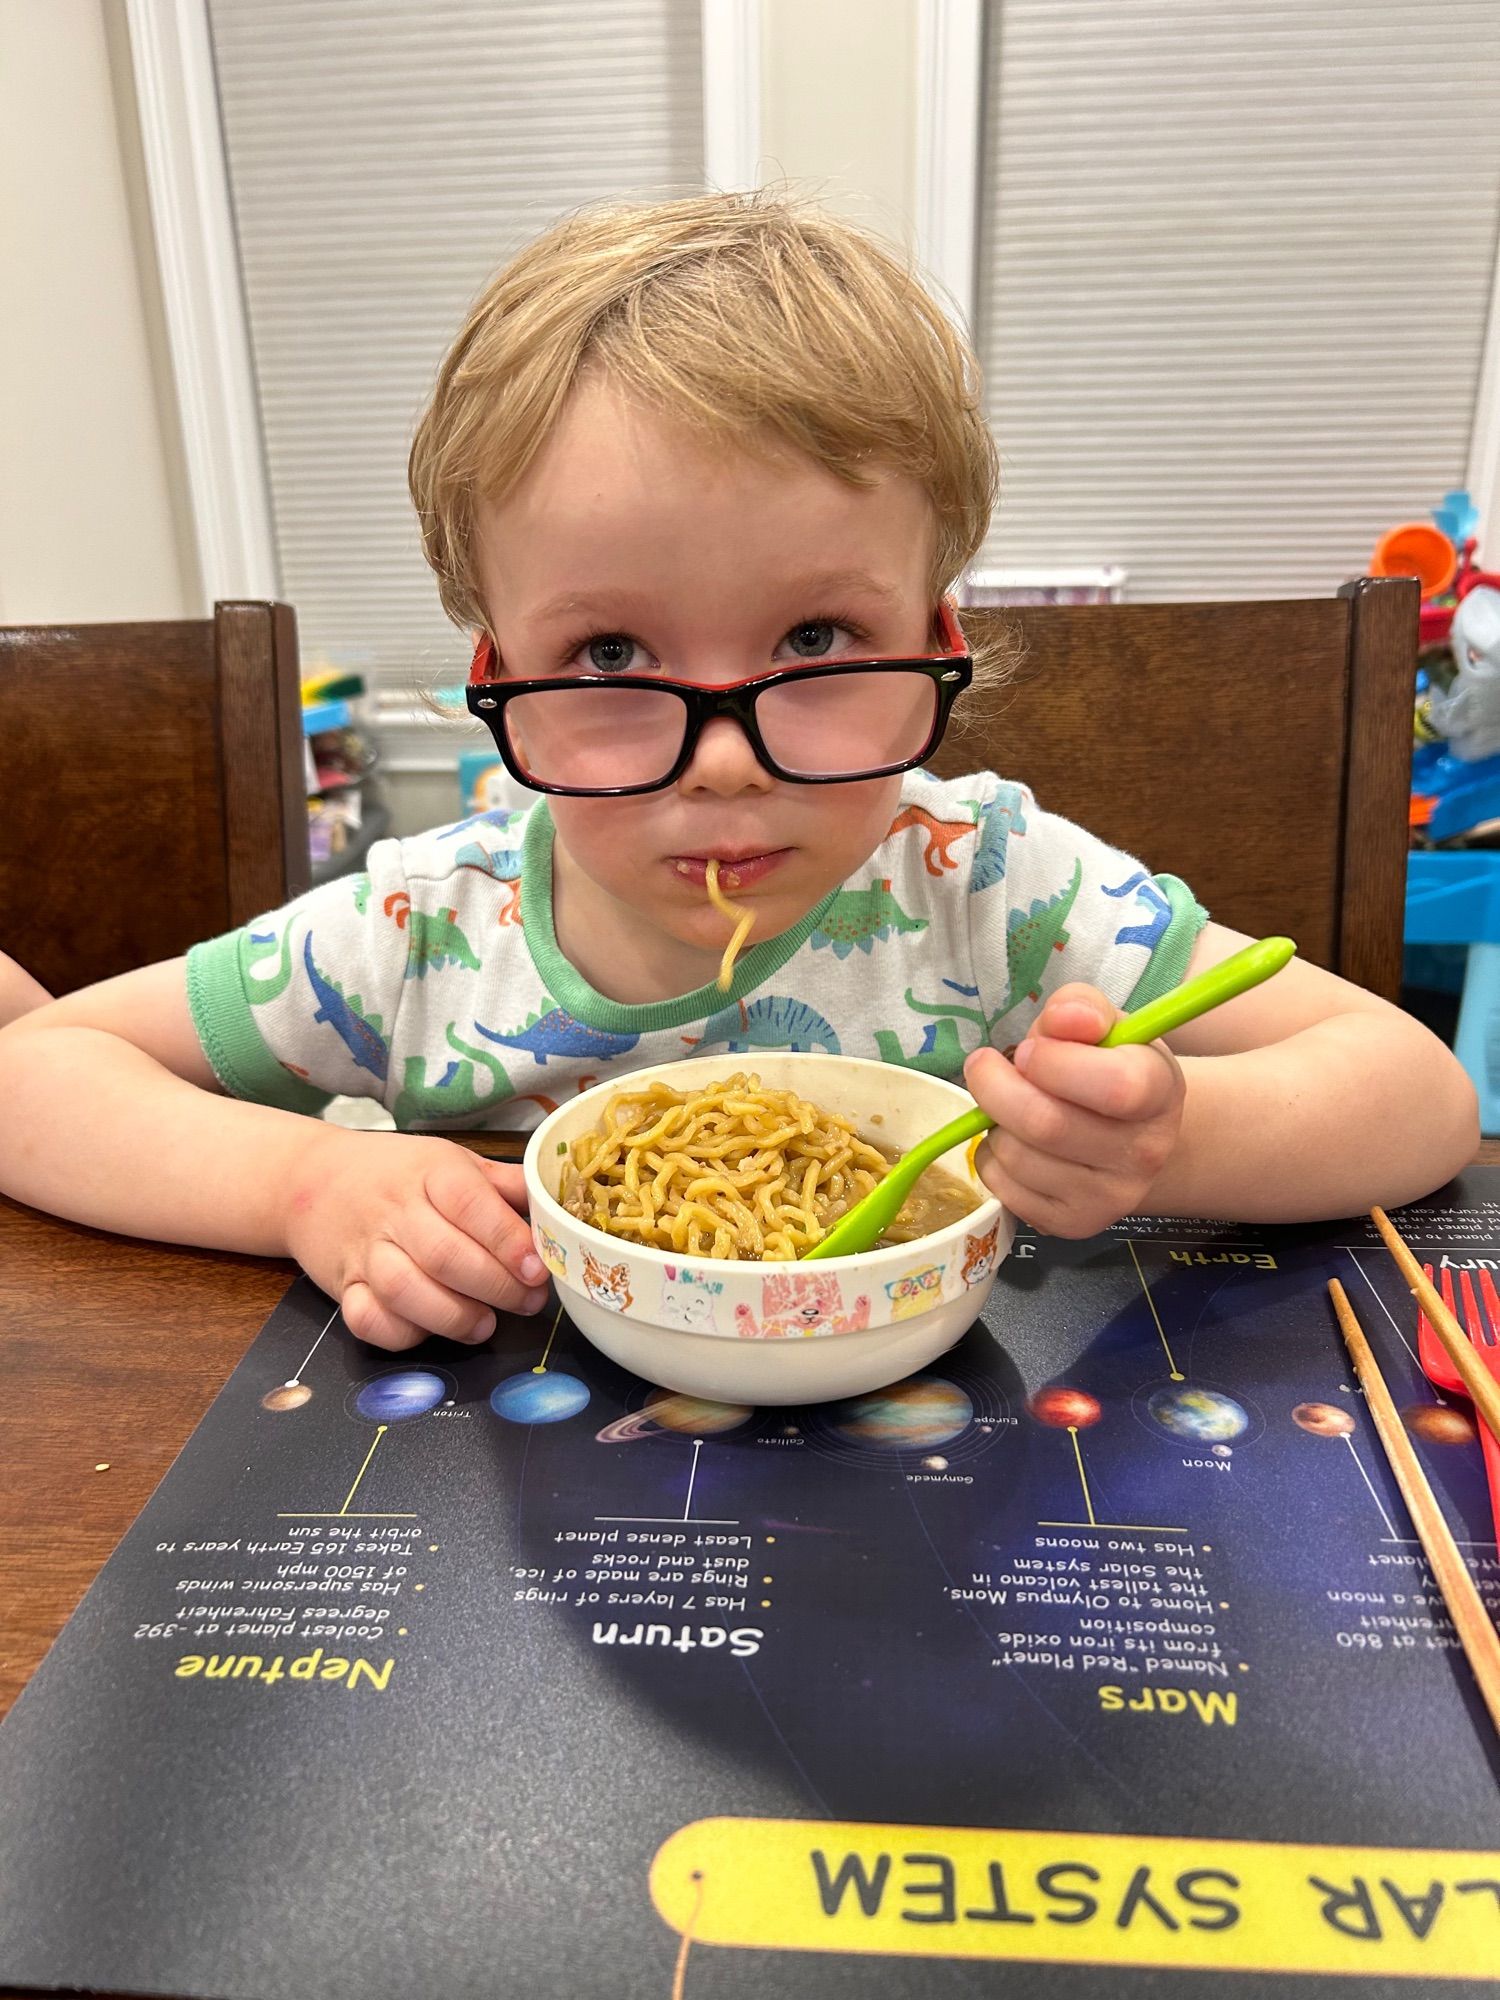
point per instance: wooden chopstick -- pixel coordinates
(1465, 1606)
(1478, 1383)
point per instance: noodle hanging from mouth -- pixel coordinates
(738, 915)
(734, 1170)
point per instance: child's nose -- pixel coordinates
(723, 762)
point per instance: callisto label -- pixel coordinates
(1081, 1898)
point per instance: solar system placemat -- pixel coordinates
(1096, 1657)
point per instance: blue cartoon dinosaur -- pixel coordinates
(500, 819)
(1158, 910)
(502, 865)
(360, 1036)
(776, 1022)
(1002, 818)
(557, 1033)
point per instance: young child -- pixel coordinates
(707, 443)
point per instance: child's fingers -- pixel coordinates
(405, 1290)
(1132, 1083)
(1049, 1195)
(462, 1191)
(453, 1259)
(367, 1319)
(1076, 1013)
(508, 1180)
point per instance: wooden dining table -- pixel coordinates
(111, 1350)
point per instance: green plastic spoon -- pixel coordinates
(862, 1227)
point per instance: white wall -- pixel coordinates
(838, 105)
(92, 524)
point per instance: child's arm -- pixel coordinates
(19, 992)
(113, 1117)
(1306, 1098)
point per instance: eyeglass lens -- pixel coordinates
(824, 726)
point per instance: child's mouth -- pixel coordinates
(738, 871)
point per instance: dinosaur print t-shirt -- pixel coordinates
(435, 984)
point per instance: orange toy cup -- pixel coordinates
(1417, 549)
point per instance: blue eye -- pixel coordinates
(611, 653)
(812, 640)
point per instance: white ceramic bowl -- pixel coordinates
(745, 1332)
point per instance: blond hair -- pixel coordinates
(756, 317)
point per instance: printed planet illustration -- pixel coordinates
(539, 1399)
(1323, 1420)
(1064, 1408)
(1438, 1423)
(1198, 1416)
(909, 1416)
(287, 1396)
(665, 1411)
(408, 1392)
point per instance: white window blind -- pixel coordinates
(384, 158)
(1235, 268)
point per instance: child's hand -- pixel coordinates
(412, 1236)
(1081, 1132)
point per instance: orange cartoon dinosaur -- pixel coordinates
(942, 835)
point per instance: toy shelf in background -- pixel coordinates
(345, 814)
(1453, 875)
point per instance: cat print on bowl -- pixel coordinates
(688, 1298)
(608, 1285)
(796, 1304)
(914, 1291)
(979, 1255)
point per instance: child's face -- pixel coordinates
(633, 542)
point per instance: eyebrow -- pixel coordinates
(614, 603)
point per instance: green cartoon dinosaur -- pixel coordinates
(1032, 937)
(455, 1095)
(434, 940)
(275, 983)
(856, 917)
(941, 1052)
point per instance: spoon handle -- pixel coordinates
(1225, 981)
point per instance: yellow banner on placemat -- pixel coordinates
(1081, 1898)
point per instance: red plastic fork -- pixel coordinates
(1484, 1333)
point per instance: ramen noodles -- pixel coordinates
(737, 1170)
(738, 915)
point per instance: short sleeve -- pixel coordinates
(299, 1005)
(1050, 903)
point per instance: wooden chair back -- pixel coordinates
(1261, 751)
(151, 787)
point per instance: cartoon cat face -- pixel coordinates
(608, 1285)
(801, 1301)
(688, 1298)
(979, 1256)
(915, 1291)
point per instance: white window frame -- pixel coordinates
(950, 93)
(207, 330)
